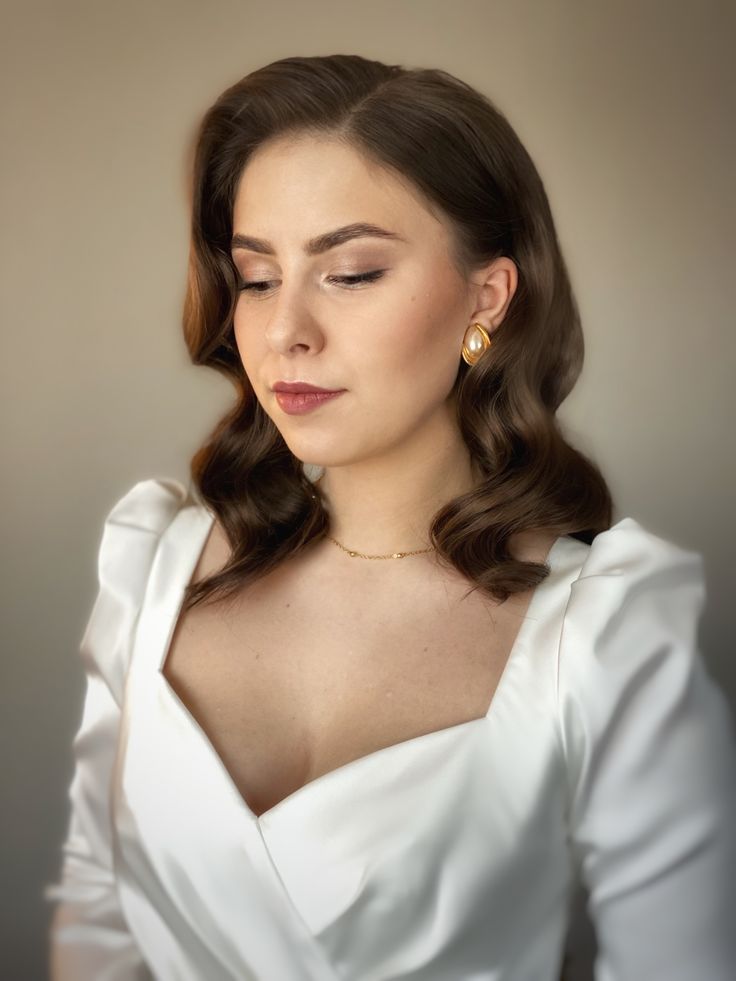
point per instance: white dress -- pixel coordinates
(607, 753)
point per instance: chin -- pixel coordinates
(316, 457)
(323, 451)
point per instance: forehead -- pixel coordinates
(316, 182)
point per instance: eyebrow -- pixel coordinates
(315, 246)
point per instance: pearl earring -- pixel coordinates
(476, 344)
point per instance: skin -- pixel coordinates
(390, 446)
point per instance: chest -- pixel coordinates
(307, 671)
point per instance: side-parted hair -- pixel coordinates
(462, 154)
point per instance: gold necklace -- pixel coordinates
(353, 554)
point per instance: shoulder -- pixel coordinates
(636, 595)
(130, 537)
(149, 505)
(630, 554)
(131, 533)
(629, 666)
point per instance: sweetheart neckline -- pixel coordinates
(350, 765)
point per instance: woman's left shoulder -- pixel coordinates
(629, 554)
(632, 616)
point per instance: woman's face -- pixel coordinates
(392, 344)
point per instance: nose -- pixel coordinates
(292, 328)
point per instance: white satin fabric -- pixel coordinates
(607, 753)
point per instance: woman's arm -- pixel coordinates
(89, 936)
(651, 760)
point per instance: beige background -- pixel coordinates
(627, 109)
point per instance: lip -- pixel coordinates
(299, 403)
(297, 387)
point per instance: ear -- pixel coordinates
(492, 289)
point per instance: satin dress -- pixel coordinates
(607, 756)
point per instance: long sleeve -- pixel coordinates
(89, 937)
(651, 763)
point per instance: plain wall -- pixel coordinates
(627, 109)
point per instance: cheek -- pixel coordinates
(247, 343)
(238, 330)
(418, 347)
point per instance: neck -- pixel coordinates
(384, 505)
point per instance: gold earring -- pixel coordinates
(476, 344)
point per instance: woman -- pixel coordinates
(379, 723)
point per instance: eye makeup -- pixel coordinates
(350, 281)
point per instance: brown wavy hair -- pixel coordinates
(463, 155)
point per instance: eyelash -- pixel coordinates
(367, 277)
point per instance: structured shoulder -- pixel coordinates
(149, 505)
(628, 647)
(130, 538)
(631, 552)
(636, 594)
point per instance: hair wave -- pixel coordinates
(480, 176)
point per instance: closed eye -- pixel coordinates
(350, 281)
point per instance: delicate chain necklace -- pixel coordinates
(394, 555)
